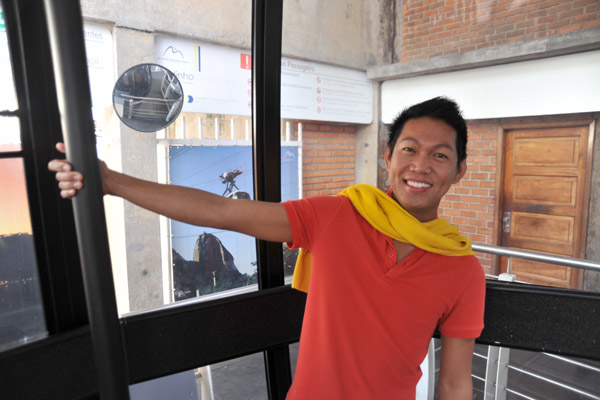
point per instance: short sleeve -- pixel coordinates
(309, 216)
(465, 318)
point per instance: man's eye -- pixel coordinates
(441, 155)
(409, 149)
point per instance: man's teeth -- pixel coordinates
(418, 184)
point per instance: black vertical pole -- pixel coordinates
(266, 78)
(72, 86)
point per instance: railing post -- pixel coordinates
(431, 371)
(507, 276)
(206, 386)
(496, 373)
(502, 373)
(491, 373)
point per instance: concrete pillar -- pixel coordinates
(141, 232)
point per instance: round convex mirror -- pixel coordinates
(148, 97)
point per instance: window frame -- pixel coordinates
(51, 218)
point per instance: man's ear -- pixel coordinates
(387, 156)
(462, 170)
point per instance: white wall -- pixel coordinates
(557, 85)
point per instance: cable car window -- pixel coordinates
(208, 145)
(21, 312)
(326, 104)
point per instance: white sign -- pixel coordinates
(99, 52)
(8, 101)
(325, 93)
(218, 79)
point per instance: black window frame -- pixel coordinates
(53, 229)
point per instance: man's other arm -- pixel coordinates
(263, 220)
(455, 381)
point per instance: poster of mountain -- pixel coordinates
(207, 260)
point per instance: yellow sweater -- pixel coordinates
(389, 218)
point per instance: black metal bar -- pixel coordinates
(266, 70)
(72, 85)
(266, 73)
(11, 154)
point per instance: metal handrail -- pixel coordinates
(549, 259)
(573, 362)
(519, 394)
(538, 256)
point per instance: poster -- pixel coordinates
(203, 167)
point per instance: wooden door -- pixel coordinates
(545, 200)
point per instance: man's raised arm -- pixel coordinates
(263, 220)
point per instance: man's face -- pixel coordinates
(423, 166)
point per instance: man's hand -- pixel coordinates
(69, 181)
(455, 369)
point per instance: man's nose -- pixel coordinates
(421, 164)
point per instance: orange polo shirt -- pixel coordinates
(368, 319)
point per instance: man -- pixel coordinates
(383, 270)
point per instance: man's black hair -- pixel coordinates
(439, 108)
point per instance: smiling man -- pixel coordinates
(383, 270)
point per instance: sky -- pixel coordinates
(14, 208)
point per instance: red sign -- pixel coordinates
(245, 61)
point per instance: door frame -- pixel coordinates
(586, 119)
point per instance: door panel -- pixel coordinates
(543, 199)
(545, 190)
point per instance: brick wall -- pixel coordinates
(328, 157)
(470, 203)
(434, 28)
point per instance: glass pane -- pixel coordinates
(326, 109)
(153, 259)
(240, 378)
(10, 138)
(21, 312)
(8, 100)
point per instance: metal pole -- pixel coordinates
(537, 256)
(72, 85)
(502, 373)
(266, 106)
